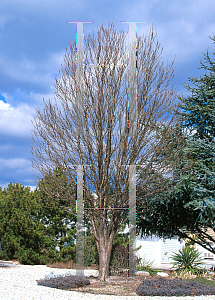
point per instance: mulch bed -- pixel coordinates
(130, 286)
(125, 286)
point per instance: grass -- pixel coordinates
(204, 281)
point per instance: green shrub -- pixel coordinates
(27, 234)
(28, 256)
(187, 260)
(68, 250)
(90, 251)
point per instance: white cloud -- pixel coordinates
(183, 27)
(32, 72)
(32, 187)
(32, 99)
(15, 121)
(193, 8)
(4, 186)
(14, 163)
(41, 5)
(4, 106)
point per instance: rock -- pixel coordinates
(162, 274)
(142, 273)
(94, 273)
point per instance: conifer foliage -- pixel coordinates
(30, 232)
(190, 207)
(199, 118)
(23, 236)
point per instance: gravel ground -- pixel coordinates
(19, 283)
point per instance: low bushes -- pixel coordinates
(172, 287)
(64, 283)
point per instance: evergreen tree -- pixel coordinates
(190, 207)
(58, 215)
(23, 236)
(199, 118)
(29, 231)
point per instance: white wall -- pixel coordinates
(158, 250)
(150, 249)
(207, 257)
(168, 247)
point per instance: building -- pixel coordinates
(159, 251)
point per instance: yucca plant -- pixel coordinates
(187, 260)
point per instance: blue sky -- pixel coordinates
(33, 38)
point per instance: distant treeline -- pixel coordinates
(31, 231)
(36, 227)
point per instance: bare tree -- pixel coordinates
(95, 132)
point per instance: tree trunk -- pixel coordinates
(105, 247)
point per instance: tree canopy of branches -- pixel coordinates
(103, 145)
(189, 210)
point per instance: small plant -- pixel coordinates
(187, 260)
(184, 275)
(146, 265)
